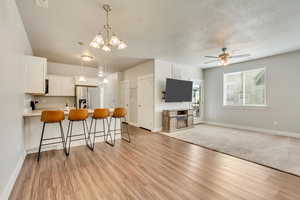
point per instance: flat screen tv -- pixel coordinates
(178, 90)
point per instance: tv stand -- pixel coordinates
(174, 120)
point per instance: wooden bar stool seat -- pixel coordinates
(52, 116)
(100, 114)
(119, 113)
(77, 115)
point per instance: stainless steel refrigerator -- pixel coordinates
(87, 97)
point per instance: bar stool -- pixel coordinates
(77, 115)
(52, 116)
(100, 114)
(119, 113)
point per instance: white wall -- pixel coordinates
(14, 44)
(283, 82)
(132, 75)
(111, 90)
(71, 70)
(162, 71)
(134, 72)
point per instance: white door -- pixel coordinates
(146, 102)
(125, 97)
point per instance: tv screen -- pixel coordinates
(178, 91)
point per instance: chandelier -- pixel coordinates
(106, 40)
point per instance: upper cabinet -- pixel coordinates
(89, 81)
(61, 85)
(35, 70)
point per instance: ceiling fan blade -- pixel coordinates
(240, 56)
(211, 61)
(211, 56)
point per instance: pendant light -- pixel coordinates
(107, 39)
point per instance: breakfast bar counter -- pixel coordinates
(33, 129)
(37, 113)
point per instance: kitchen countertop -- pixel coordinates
(37, 113)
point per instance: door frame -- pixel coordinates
(128, 107)
(139, 78)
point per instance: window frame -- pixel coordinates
(246, 106)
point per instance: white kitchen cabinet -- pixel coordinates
(89, 81)
(61, 85)
(35, 69)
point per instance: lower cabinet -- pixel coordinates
(61, 85)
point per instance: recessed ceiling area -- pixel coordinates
(171, 30)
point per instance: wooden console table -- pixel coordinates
(174, 120)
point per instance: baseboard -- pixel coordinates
(156, 130)
(7, 190)
(262, 130)
(133, 124)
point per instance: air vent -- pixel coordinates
(41, 3)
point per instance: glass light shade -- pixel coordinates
(105, 80)
(224, 62)
(100, 71)
(100, 74)
(99, 39)
(94, 44)
(86, 58)
(122, 45)
(82, 79)
(106, 48)
(114, 40)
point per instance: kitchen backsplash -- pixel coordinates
(54, 102)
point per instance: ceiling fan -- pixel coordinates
(224, 57)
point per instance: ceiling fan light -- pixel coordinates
(106, 48)
(122, 45)
(114, 40)
(224, 62)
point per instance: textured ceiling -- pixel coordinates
(172, 30)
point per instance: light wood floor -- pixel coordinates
(153, 166)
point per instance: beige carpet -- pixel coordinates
(275, 151)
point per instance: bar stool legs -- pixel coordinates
(122, 131)
(127, 130)
(104, 132)
(62, 137)
(70, 136)
(41, 141)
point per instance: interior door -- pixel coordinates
(198, 101)
(146, 102)
(125, 97)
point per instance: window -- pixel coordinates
(245, 88)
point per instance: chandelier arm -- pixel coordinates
(107, 26)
